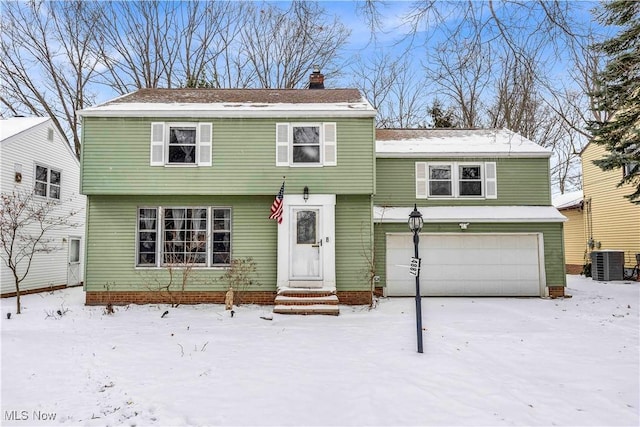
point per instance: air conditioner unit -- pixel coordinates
(607, 265)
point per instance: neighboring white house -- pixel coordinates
(35, 157)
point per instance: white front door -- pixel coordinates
(73, 267)
(306, 241)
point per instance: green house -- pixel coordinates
(182, 191)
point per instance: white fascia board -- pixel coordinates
(465, 154)
(231, 110)
(434, 214)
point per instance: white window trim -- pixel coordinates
(328, 144)
(160, 147)
(422, 180)
(48, 182)
(159, 265)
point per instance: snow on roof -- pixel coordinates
(471, 214)
(392, 143)
(15, 125)
(236, 103)
(568, 200)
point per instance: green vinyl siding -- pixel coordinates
(552, 237)
(520, 182)
(111, 242)
(115, 159)
(353, 242)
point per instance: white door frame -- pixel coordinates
(74, 268)
(325, 204)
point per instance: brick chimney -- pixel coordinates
(316, 79)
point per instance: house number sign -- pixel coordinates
(414, 266)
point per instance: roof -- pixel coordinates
(235, 103)
(471, 214)
(15, 125)
(392, 143)
(570, 200)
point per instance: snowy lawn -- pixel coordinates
(487, 361)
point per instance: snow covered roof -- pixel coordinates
(471, 214)
(236, 103)
(391, 143)
(15, 125)
(568, 200)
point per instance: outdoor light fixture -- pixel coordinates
(305, 193)
(415, 225)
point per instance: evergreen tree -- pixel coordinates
(619, 94)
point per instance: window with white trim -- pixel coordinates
(47, 182)
(180, 144)
(183, 237)
(456, 180)
(306, 144)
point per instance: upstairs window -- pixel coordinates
(456, 180)
(180, 144)
(306, 144)
(47, 182)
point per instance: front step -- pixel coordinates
(306, 301)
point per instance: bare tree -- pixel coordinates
(281, 46)
(26, 223)
(47, 64)
(393, 88)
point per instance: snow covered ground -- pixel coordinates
(487, 361)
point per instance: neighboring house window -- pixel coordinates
(306, 144)
(47, 182)
(456, 180)
(181, 144)
(630, 168)
(177, 236)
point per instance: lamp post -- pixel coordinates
(415, 225)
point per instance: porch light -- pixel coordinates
(415, 219)
(305, 193)
(415, 225)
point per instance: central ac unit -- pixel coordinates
(607, 265)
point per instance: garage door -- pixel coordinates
(466, 265)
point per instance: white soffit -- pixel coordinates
(229, 109)
(383, 214)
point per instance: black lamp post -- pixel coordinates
(415, 225)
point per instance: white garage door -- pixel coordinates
(466, 265)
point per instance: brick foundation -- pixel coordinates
(574, 268)
(190, 297)
(205, 297)
(354, 297)
(556, 291)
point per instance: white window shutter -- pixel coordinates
(330, 144)
(282, 144)
(490, 180)
(156, 151)
(421, 180)
(204, 144)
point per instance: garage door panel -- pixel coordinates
(466, 264)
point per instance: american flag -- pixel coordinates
(276, 207)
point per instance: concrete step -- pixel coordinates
(305, 309)
(306, 300)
